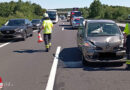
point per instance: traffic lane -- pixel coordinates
(25, 65)
(72, 75)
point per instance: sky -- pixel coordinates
(55, 4)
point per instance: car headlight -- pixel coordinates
(38, 25)
(89, 45)
(19, 30)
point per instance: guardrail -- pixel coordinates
(124, 21)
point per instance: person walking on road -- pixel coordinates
(127, 34)
(47, 27)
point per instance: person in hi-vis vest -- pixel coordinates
(127, 34)
(47, 27)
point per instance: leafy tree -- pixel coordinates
(95, 9)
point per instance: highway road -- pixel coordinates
(24, 65)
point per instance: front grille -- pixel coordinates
(8, 32)
(53, 18)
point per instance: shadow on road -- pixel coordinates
(65, 25)
(29, 51)
(72, 58)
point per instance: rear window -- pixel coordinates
(99, 29)
(16, 23)
(76, 13)
(35, 21)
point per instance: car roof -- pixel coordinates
(101, 20)
(36, 19)
(18, 19)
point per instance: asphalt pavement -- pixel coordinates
(24, 65)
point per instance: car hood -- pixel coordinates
(10, 28)
(104, 41)
(35, 23)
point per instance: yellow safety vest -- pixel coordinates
(127, 29)
(47, 24)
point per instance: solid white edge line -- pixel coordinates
(51, 79)
(4, 44)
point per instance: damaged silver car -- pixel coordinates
(101, 41)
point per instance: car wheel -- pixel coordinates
(84, 62)
(72, 27)
(31, 35)
(24, 36)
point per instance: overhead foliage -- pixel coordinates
(20, 9)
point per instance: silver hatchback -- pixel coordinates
(101, 41)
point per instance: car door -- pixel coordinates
(29, 27)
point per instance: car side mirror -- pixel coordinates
(3, 24)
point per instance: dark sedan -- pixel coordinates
(37, 24)
(101, 41)
(17, 28)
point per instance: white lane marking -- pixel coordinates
(4, 44)
(62, 28)
(51, 79)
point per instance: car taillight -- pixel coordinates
(77, 19)
(73, 13)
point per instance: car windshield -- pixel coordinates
(100, 29)
(35, 21)
(15, 23)
(52, 15)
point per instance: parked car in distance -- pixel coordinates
(74, 14)
(77, 22)
(62, 17)
(16, 28)
(101, 41)
(37, 24)
(68, 16)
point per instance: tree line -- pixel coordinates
(20, 9)
(97, 10)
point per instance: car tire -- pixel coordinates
(31, 35)
(24, 36)
(84, 62)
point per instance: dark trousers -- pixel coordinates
(47, 38)
(128, 47)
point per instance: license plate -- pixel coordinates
(7, 31)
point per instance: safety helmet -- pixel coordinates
(45, 15)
